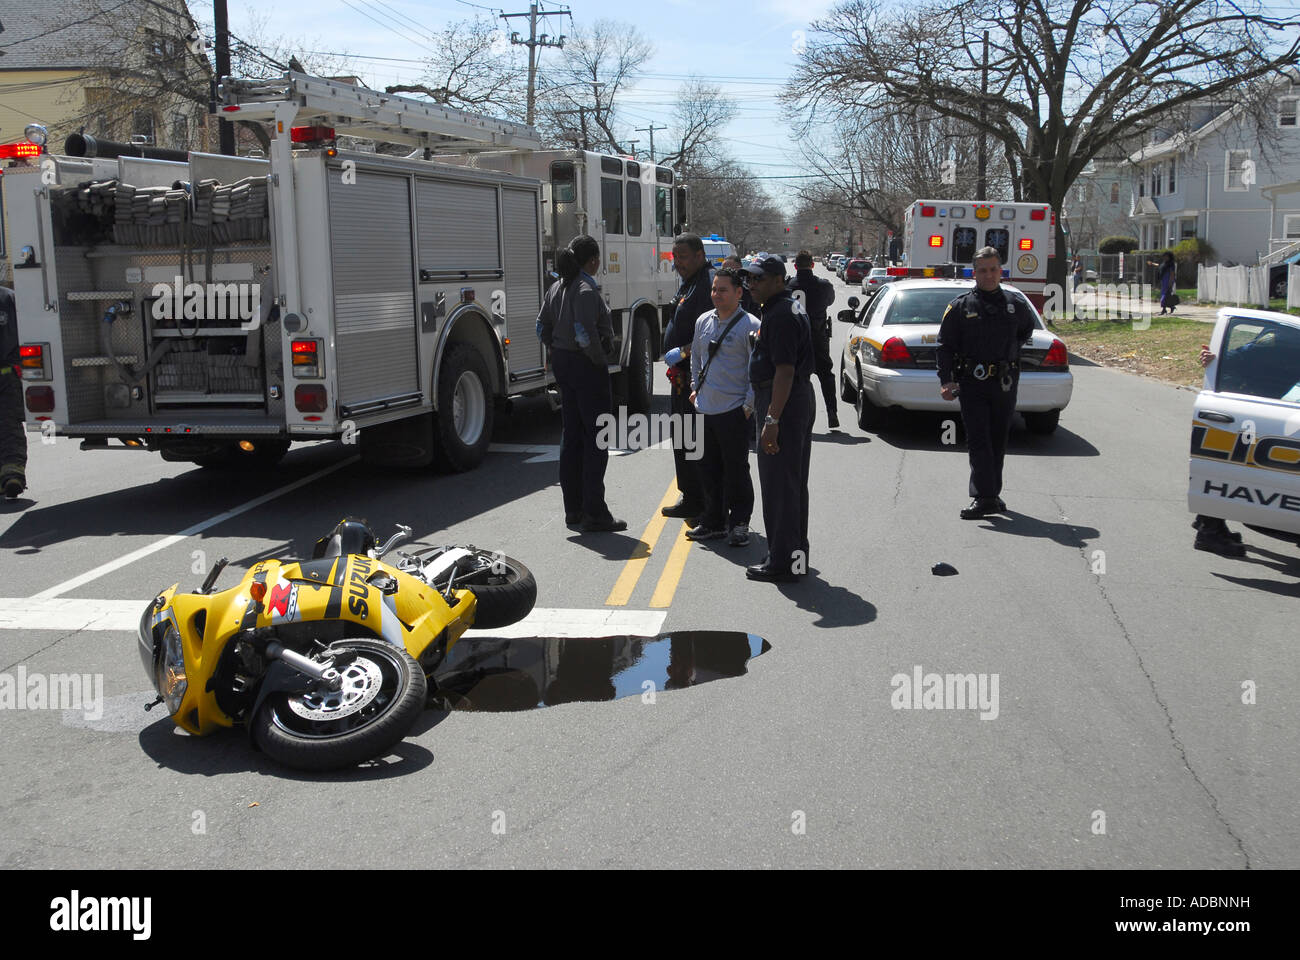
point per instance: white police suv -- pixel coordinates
(1245, 454)
(890, 359)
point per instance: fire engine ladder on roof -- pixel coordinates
(297, 98)
(360, 112)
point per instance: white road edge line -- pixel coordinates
(130, 558)
(50, 613)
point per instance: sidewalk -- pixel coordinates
(1122, 308)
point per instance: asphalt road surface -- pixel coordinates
(1118, 729)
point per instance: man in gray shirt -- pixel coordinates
(721, 391)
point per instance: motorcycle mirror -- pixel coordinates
(212, 575)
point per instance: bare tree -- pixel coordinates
(1065, 78)
(599, 63)
(700, 113)
(474, 68)
(728, 200)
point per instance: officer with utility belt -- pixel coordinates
(979, 364)
(693, 299)
(780, 368)
(13, 436)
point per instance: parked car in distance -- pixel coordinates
(875, 279)
(855, 270)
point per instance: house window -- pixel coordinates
(1188, 227)
(1157, 179)
(1114, 193)
(1234, 170)
(1291, 226)
(1286, 111)
(1142, 186)
(1173, 169)
(142, 125)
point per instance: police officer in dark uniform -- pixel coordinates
(780, 369)
(979, 364)
(693, 299)
(13, 437)
(819, 294)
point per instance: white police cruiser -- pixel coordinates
(1245, 451)
(889, 359)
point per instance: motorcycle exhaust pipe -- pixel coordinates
(304, 665)
(84, 145)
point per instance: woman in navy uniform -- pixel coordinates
(575, 325)
(13, 436)
(979, 364)
(780, 369)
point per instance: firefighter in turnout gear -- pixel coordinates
(979, 364)
(13, 436)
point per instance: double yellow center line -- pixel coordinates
(632, 570)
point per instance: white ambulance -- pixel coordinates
(940, 238)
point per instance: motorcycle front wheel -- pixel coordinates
(382, 695)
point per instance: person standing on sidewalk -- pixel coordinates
(692, 300)
(721, 391)
(575, 325)
(13, 435)
(818, 295)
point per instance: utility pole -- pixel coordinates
(221, 22)
(650, 130)
(535, 12)
(981, 187)
(632, 147)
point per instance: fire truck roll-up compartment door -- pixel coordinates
(374, 289)
(523, 279)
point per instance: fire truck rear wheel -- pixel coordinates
(640, 369)
(465, 408)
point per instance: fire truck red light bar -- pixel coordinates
(229, 109)
(16, 151)
(927, 211)
(1026, 244)
(936, 240)
(311, 134)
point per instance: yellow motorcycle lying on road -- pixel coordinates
(328, 662)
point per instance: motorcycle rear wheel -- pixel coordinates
(382, 696)
(505, 590)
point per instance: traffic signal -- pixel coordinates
(787, 229)
(817, 229)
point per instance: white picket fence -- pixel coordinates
(1239, 286)
(1293, 286)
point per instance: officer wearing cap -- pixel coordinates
(979, 364)
(13, 438)
(780, 368)
(818, 295)
(693, 299)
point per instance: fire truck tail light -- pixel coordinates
(306, 358)
(32, 361)
(19, 151)
(927, 211)
(1037, 214)
(310, 398)
(311, 134)
(40, 399)
(1026, 243)
(936, 240)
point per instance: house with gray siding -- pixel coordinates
(1217, 182)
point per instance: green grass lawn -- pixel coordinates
(1168, 350)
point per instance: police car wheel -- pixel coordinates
(847, 392)
(1045, 422)
(870, 416)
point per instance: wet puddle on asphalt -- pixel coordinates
(485, 674)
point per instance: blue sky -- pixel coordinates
(746, 48)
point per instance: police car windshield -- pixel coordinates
(924, 305)
(1262, 359)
